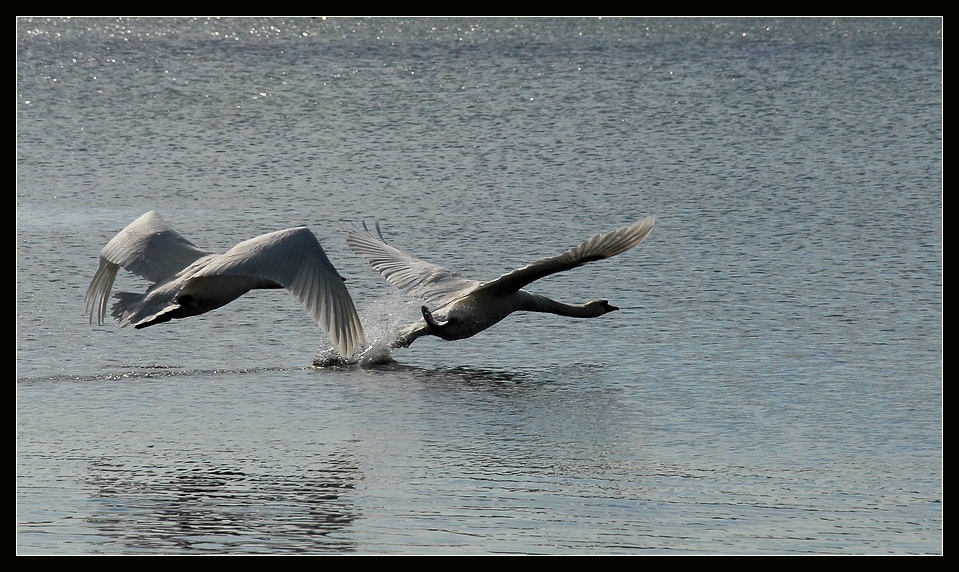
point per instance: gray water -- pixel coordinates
(772, 384)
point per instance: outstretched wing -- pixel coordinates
(147, 247)
(293, 259)
(430, 282)
(594, 248)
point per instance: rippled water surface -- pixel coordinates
(771, 385)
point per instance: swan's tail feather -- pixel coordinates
(124, 308)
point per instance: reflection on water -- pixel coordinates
(203, 507)
(458, 375)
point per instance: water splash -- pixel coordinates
(382, 320)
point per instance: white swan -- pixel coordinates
(188, 281)
(465, 307)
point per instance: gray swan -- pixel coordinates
(464, 307)
(188, 281)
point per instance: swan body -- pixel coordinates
(188, 281)
(465, 307)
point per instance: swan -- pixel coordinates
(465, 307)
(188, 281)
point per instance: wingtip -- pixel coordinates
(648, 220)
(643, 226)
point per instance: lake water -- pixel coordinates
(772, 383)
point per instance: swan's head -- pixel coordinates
(602, 307)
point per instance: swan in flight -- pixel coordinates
(188, 281)
(464, 307)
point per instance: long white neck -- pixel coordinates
(537, 303)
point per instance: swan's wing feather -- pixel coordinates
(147, 247)
(150, 248)
(294, 259)
(597, 247)
(99, 290)
(427, 281)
